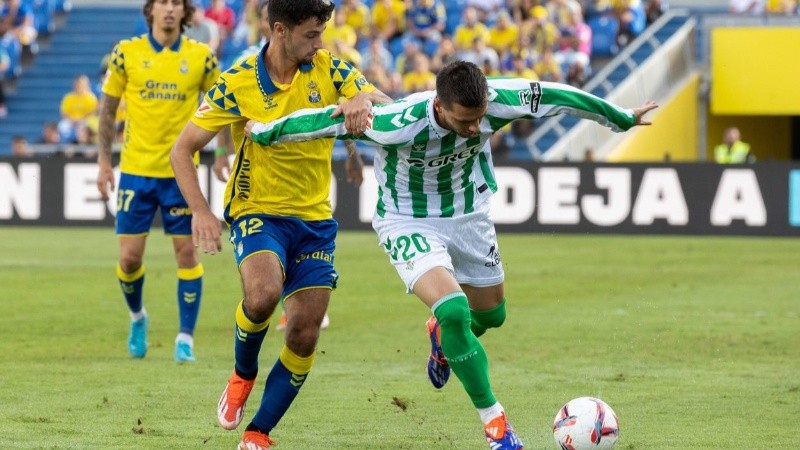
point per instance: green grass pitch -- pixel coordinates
(694, 341)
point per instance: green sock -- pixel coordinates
(489, 318)
(463, 350)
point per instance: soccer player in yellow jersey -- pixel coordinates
(277, 202)
(161, 76)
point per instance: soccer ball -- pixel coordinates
(585, 423)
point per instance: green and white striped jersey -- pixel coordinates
(424, 170)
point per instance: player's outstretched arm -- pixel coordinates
(357, 110)
(206, 228)
(299, 126)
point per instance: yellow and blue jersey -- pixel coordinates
(291, 179)
(161, 87)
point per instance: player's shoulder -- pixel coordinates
(193, 46)
(242, 68)
(325, 60)
(132, 43)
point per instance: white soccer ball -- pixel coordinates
(586, 423)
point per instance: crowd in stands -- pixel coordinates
(399, 45)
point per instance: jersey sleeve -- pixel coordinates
(301, 125)
(114, 85)
(518, 98)
(315, 123)
(218, 108)
(347, 79)
(211, 71)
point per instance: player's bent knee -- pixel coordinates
(453, 316)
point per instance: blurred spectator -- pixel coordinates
(389, 82)
(357, 16)
(389, 22)
(421, 78)
(632, 20)
(469, 29)
(404, 62)
(50, 134)
(339, 32)
(202, 29)
(733, 150)
(76, 107)
(224, 16)
(520, 68)
(481, 55)
(747, 6)
(548, 67)
(504, 35)
(487, 9)
(5, 63)
(655, 9)
(378, 52)
(521, 10)
(538, 33)
(425, 22)
(17, 21)
(560, 11)
(20, 148)
(575, 46)
(247, 29)
(445, 54)
(598, 8)
(263, 29)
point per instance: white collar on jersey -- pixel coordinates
(440, 132)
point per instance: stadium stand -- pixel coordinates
(76, 40)
(71, 51)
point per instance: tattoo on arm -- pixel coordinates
(107, 126)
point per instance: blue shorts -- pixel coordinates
(305, 249)
(139, 197)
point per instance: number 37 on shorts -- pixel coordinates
(406, 247)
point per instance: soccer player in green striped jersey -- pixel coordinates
(435, 175)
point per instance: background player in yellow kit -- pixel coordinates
(161, 76)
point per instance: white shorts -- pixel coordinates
(465, 245)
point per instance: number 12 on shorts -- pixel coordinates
(406, 247)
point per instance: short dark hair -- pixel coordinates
(188, 12)
(294, 12)
(462, 82)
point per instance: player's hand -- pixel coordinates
(221, 168)
(105, 182)
(206, 230)
(357, 112)
(248, 129)
(354, 166)
(642, 110)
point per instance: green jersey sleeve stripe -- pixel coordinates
(558, 99)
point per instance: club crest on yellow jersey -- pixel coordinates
(313, 94)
